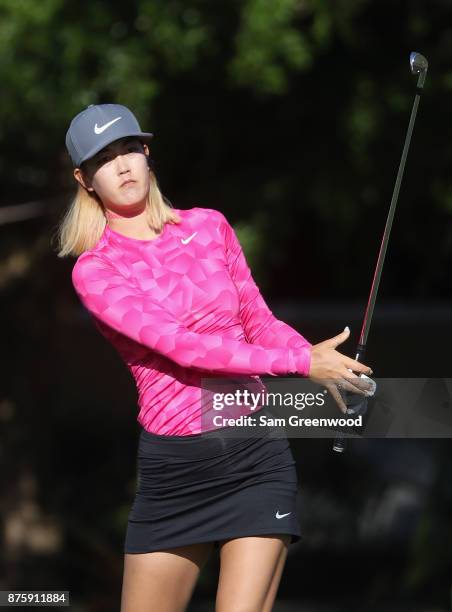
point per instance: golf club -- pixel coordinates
(418, 65)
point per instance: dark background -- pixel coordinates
(288, 116)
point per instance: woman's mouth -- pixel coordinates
(128, 182)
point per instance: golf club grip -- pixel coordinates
(340, 441)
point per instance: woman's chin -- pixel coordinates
(131, 200)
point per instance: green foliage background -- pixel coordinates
(289, 115)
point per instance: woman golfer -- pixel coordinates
(171, 290)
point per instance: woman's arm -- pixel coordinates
(260, 325)
(112, 298)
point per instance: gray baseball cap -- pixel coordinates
(97, 126)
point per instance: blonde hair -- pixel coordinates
(84, 221)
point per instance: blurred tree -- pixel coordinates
(294, 106)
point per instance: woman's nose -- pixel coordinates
(121, 164)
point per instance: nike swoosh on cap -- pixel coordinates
(102, 128)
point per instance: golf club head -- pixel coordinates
(419, 65)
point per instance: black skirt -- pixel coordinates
(208, 487)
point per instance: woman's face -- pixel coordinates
(119, 175)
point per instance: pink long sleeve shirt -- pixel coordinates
(182, 307)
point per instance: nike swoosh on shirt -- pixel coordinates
(282, 515)
(187, 240)
(102, 128)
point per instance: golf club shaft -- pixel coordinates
(340, 440)
(384, 243)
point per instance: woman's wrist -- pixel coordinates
(302, 360)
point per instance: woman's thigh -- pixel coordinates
(250, 571)
(162, 580)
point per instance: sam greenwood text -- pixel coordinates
(292, 420)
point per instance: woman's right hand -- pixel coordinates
(335, 370)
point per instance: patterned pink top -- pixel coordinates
(183, 307)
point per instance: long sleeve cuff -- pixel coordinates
(300, 361)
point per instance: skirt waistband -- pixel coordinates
(220, 432)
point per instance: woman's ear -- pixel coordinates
(149, 160)
(82, 180)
